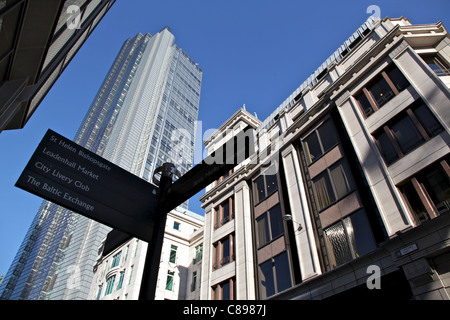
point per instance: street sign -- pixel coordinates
(69, 175)
(221, 161)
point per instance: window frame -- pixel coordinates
(267, 216)
(347, 223)
(219, 260)
(328, 174)
(219, 218)
(418, 185)
(274, 274)
(320, 141)
(370, 97)
(173, 254)
(408, 113)
(217, 289)
(267, 193)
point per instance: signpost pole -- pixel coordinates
(153, 257)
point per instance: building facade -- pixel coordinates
(118, 271)
(348, 191)
(36, 48)
(144, 114)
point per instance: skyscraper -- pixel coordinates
(144, 114)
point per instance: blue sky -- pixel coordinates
(252, 52)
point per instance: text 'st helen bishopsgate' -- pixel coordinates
(69, 175)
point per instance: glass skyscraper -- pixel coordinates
(143, 115)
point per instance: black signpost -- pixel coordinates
(69, 175)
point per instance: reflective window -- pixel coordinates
(265, 185)
(333, 184)
(388, 151)
(365, 105)
(406, 134)
(269, 226)
(323, 190)
(383, 88)
(349, 239)
(320, 141)
(407, 131)
(428, 120)
(381, 92)
(274, 275)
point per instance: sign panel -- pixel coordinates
(69, 175)
(221, 161)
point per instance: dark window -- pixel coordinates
(274, 275)
(381, 92)
(269, 225)
(397, 78)
(223, 212)
(224, 290)
(223, 251)
(323, 190)
(428, 193)
(428, 120)
(259, 188)
(349, 239)
(437, 184)
(312, 147)
(333, 184)
(320, 141)
(383, 88)
(418, 209)
(366, 106)
(386, 147)
(266, 279)
(406, 134)
(437, 65)
(265, 185)
(407, 131)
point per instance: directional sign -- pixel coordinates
(69, 175)
(221, 161)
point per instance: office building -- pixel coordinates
(347, 194)
(144, 114)
(36, 48)
(119, 267)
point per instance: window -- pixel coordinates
(136, 247)
(438, 65)
(131, 275)
(176, 225)
(407, 131)
(110, 285)
(382, 89)
(274, 275)
(319, 142)
(349, 239)
(333, 184)
(428, 193)
(173, 253)
(194, 281)
(198, 253)
(224, 212)
(169, 280)
(223, 251)
(99, 292)
(122, 275)
(265, 185)
(116, 260)
(269, 226)
(224, 290)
